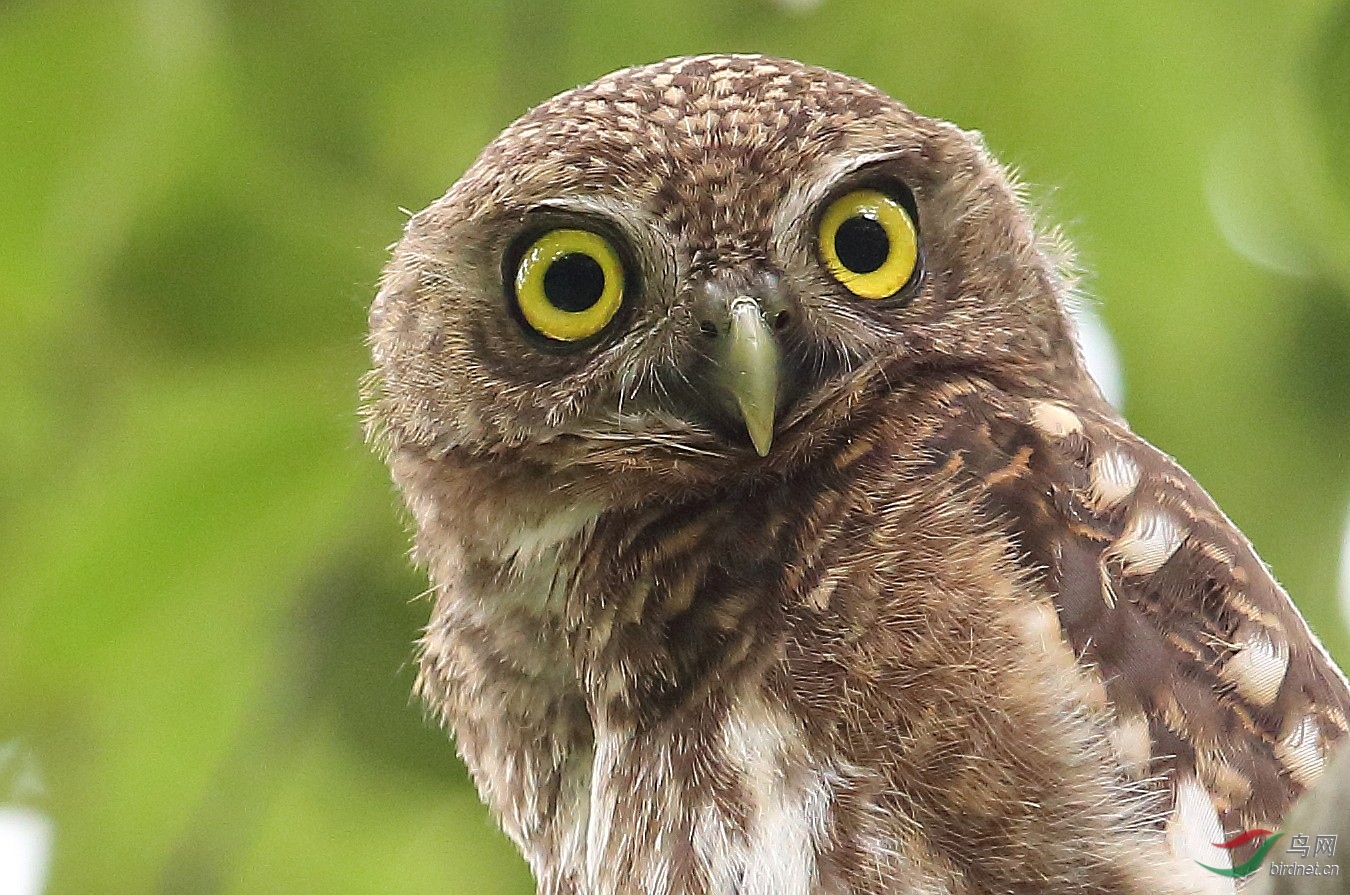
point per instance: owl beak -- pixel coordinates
(749, 367)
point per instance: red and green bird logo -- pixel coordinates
(1248, 866)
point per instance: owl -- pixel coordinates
(779, 540)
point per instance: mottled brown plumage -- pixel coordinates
(954, 630)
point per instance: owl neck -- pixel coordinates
(605, 674)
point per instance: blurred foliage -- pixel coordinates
(205, 611)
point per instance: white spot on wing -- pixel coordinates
(1301, 751)
(1148, 541)
(1055, 420)
(1258, 668)
(1115, 475)
(1191, 833)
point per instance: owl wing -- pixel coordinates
(1220, 692)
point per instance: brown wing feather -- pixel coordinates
(1160, 593)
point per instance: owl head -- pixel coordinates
(704, 265)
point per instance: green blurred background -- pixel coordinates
(205, 609)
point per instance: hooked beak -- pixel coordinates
(748, 364)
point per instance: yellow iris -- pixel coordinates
(869, 243)
(569, 284)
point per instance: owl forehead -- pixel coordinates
(707, 143)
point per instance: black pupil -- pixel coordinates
(861, 244)
(574, 282)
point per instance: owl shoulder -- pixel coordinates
(1202, 654)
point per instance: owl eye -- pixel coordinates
(869, 243)
(569, 284)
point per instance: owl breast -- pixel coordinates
(833, 681)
